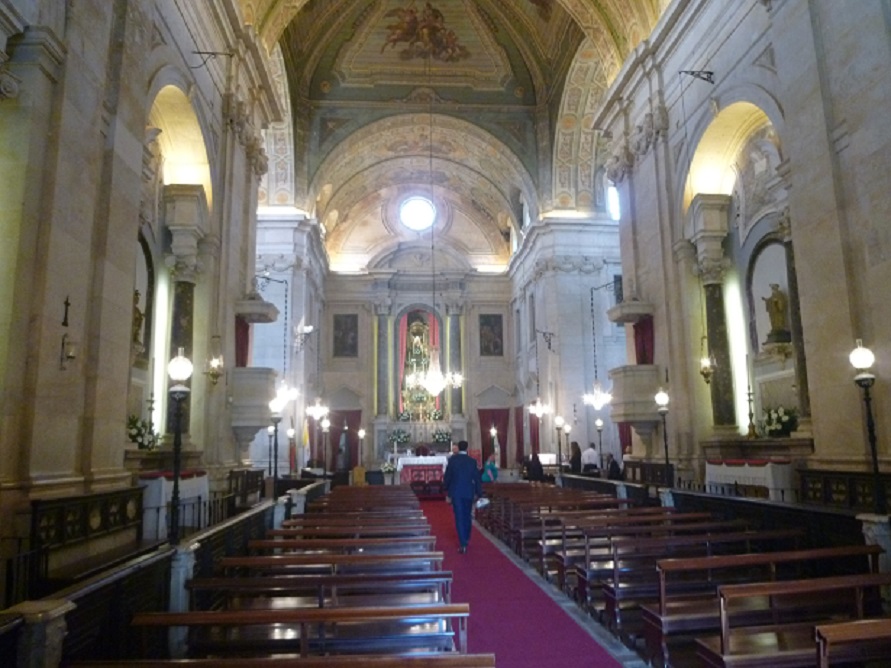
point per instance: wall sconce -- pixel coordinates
(67, 352)
(215, 366)
(303, 333)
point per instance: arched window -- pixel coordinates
(612, 202)
(417, 213)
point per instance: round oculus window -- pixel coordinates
(417, 213)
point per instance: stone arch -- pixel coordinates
(277, 186)
(407, 136)
(575, 138)
(182, 140)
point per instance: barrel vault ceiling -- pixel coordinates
(460, 101)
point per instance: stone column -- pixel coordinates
(877, 531)
(804, 399)
(709, 217)
(456, 399)
(182, 569)
(186, 215)
(40, 641)
(383, 375)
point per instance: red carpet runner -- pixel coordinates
(510, 615)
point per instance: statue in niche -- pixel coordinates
(777, 305)
(138, 319)
(416, 401)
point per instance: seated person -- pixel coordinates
(575, 459)
(613, 472)
(490, 470)
(589, 459)
(534, 469)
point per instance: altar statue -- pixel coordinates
(777, 310)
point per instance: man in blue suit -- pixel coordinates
(463, 485)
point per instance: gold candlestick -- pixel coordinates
(752, 433)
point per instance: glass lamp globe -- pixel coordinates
(861, 358)
(180, 367)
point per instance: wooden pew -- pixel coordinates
(788, 641)
(346, 531)
(445, 660)
(635, 580)
(332, 563)
(586, 537)
(344, 545)
(588, 572)
(321, 590)
(677, 614)
(378, 629)
(561, 534)
(853, 641)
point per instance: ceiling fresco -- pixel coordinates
(508, 84)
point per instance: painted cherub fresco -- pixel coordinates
(424, 35)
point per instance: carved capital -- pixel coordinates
(620, 160)
(711, 270)
(9, 84)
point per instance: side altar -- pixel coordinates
(769, 463)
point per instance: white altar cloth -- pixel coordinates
(775, 475)
(429, 460)
(157, 495)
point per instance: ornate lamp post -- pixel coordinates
(292, 447)
(282, 396)
(317, 411)
(180, 370)
(558, 425)
(662, 409)
(566, 429)
(326, 425)
(598, 423)
(270, 430)
(862, 360)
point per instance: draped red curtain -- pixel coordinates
(518, 434)
(644, 340)
(242, 341)
(352, 420)
(500, 419)
(624, 435)
(534, 427)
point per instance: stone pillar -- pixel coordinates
(186, 215)
(709, 222)
(804, 399)
(666, 498)
(877, 531)
(40, 641)
(383, 375)
(456, 400)
(182, 569)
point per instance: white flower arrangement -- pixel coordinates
(442, 436)
(141, 433)
(399, 436)
(388, 467)
(780, 421)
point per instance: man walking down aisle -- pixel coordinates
(463, 486)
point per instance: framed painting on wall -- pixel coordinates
(346, 335)
(491, 335)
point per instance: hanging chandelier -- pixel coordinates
(598, 397)
(432, 379)
(537, 408)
